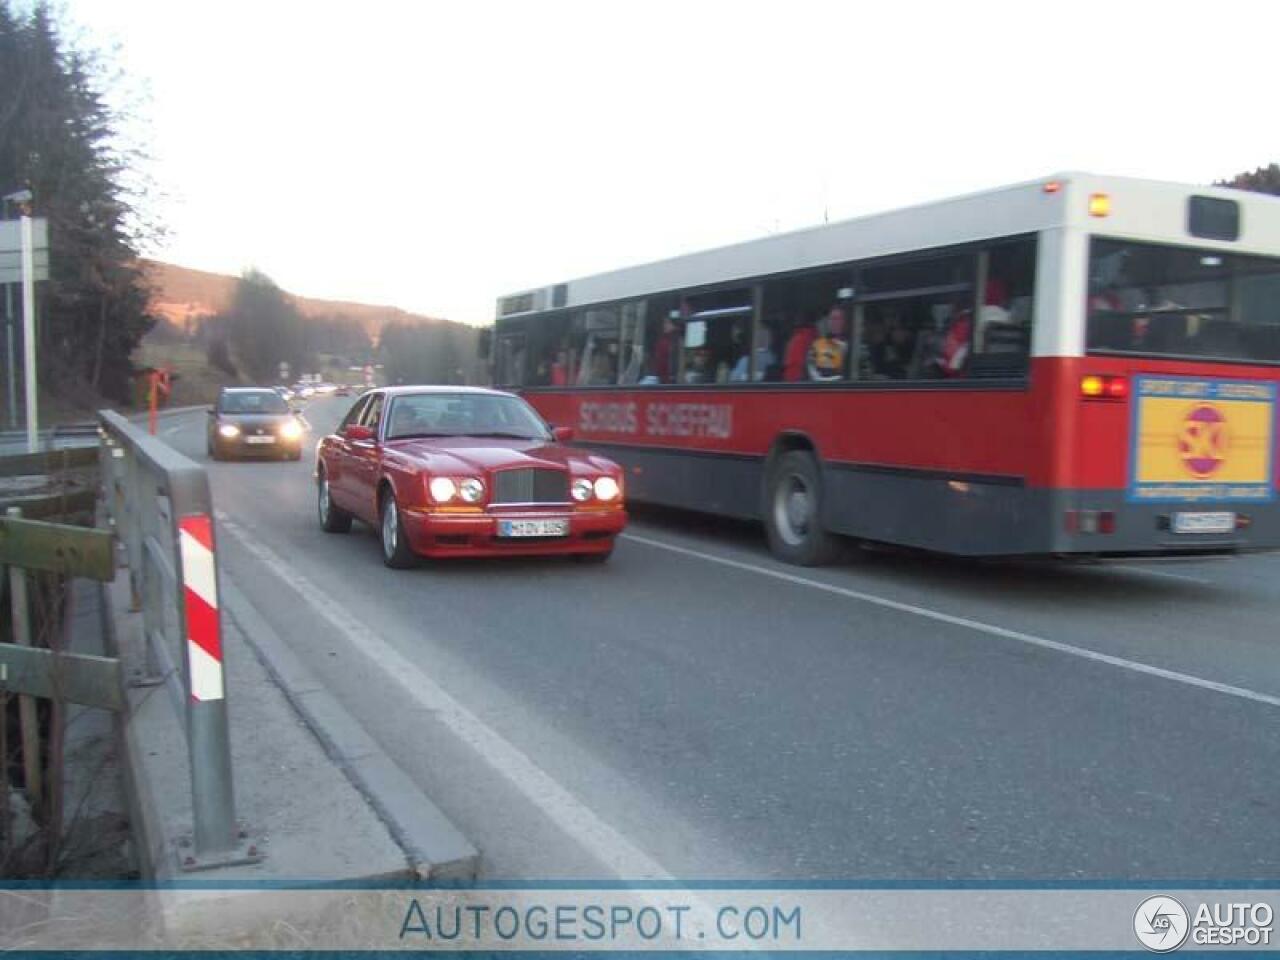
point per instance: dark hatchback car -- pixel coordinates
(253, 421)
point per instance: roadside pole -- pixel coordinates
(12, 369)
(29, 328)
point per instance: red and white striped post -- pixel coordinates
(200, 601)
(207, 731)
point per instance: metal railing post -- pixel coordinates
(168, 510)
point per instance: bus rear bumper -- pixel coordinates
(970, 517)
(1107, 523)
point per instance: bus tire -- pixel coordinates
(793, 511)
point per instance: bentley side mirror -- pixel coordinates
(562, 434)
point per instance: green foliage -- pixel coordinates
(265, 329)
(219, 356)
(427, 353)
(59, 139)
(1263, 180)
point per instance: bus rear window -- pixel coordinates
(1181, 302)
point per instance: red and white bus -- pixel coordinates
(1080, 364)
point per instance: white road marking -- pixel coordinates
(565, 810)
(977, 625)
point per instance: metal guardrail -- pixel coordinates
(67, 436)
(162, 511)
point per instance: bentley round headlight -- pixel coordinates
(443, 489)
(229, 430)
(607, 488)
(291, 429)
(471, 489)
(581, 489)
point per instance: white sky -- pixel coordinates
(433, 155)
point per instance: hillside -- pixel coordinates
(184, 298)
(420, 349)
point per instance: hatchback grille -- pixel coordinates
(530, 486)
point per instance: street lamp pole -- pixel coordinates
(21, 196)
(29, 328)
(8, 354)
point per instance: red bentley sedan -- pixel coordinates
(465, 472)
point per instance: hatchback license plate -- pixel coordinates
(1204, 522)
(533, 528)
(259, 439)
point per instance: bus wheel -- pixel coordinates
(793, 512)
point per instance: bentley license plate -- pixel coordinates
(533, 528)
(259, 439)
(1204, 522)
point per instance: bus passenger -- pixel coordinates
(602, 369)
(797, 352)
(828, 351)
(666, 350)
(890, 347)
(697, 371)
(765, 360)
(560, 367)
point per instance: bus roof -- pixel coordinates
(1140, 209)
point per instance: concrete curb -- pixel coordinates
(436, 849)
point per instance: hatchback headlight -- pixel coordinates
(229, 430)
(607, 488)
(581, 489)
(291, 430)
(471, 490)
(443, 489)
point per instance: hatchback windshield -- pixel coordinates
(463, 414)
(253, 401)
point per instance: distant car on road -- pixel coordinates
(465, 472)
(343, 390)
(253, 420)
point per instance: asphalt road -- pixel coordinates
(694, 709)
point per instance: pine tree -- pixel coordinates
(1263, 180)
(59, 139)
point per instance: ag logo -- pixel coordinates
(1161, 924)
(1202, 444)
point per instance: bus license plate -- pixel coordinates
(533, 528)
(259, 439)
(1204, 522)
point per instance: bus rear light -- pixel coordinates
(1089, 521)
(1099, 204)
(1243, 521)
(1096, 387)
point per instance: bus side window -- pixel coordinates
(509, 366)
(548, 352)
(631, 342)
(1002, 335)
(717, 333)
(598, 362)
(808, 326)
